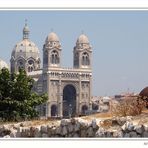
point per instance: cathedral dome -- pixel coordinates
(3, 64)
(83, 39)
(52, 37)
(25, 48)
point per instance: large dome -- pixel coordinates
(3, 64)
(25, 48)
(83, 39)
(52, 37)
(25, 54)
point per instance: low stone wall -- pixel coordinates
(77, 127)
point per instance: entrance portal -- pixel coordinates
(69, 101)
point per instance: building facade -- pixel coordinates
(69, 89)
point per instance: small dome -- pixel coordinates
(52, 37)
(83, 39)
(3, 64)
(144, 92)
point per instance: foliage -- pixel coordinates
(17, 101)
(128, 107)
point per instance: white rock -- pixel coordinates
(94, 123)
(121, 121)
(90, 132)
(7, 136)
(77, 126)
(44, 135)
(145, 127)
(128, 126)
(19, 129)
(129, 118)
(44, 128)
(133, 134)
(127, 135)
(139, 129)
(37, 132)
(65, 122)
(52, 131)
(58, 130)
(109, 134)
(83, 133)
(118, 134)
(70, 128)
(84, 124)
(145, 134)
(100, 132)
(75, 135)
(64, 131)
(6, 127)
(18, 134)
(70, 135)
(13, 133)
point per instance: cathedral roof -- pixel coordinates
(3, 64)
(83, 39)
(52, 37)
(25, 48)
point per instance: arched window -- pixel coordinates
(53, 110)
(20, 64)
(30, 65)
(54, 57)
(85, 59)
(84, 109)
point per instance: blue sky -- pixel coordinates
(119, 40)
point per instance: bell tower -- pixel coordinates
(52, 51)
(82, 53)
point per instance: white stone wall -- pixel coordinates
(77, 127)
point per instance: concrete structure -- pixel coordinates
(69, 89)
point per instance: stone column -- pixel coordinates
(90, 92)
(79, 97)
(60, 99)
(48, 111)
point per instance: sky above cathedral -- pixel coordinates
(119, 41)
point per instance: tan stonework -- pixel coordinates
(69, 89)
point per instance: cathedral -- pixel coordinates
(69, 89)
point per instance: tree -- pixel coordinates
(17, 100)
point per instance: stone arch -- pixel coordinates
(74, 84)
(84, 108)
(69, 100)
(53, 110)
